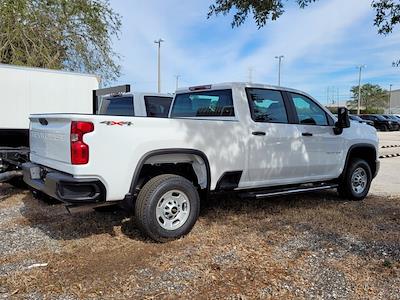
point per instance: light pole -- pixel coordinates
(159, 41)
(390, 98)
(250, 74)
(360, 67)
(177, 81)
(279, 58)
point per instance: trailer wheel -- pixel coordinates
(167, 207)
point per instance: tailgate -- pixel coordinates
(50, 138)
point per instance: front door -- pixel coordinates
(323, 149)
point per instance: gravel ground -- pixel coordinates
(314, 246)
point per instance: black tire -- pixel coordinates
(385, 128)
(151, 194)
(345, 188)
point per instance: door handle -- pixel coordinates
(307, 134)
(258, 133)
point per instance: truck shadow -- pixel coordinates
(315, 221)
(53, 219)
(318, 220)
(7, 191)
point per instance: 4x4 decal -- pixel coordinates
(118, 123)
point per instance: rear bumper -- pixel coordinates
(63, 186)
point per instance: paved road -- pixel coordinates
(389, 138)
(388, 180)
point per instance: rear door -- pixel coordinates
(322, 148)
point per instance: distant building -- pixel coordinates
(395, 102)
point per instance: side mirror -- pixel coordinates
(343, 120)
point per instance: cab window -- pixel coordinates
(308, 112)
(157, 106)
(267, 106)
(117, 106)
(216, 103)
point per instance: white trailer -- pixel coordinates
(24, 91)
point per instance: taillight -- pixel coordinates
(80, 150)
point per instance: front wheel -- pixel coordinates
(356, 181)
(167, 207)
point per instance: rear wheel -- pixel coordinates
(167, 207)
(356, 181)
(385, 128)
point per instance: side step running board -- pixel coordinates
(79, 208)
(298, 190)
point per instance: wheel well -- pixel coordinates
(364, 152)
(193, 167)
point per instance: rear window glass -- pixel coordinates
(157, 106)
(216, 103)
(117, 106)
(355, 118)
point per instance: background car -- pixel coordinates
(381, 123)
(396, 116)
(393, 119)
(360, 120)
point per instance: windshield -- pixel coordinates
(356, 118)
(216, 103)
(381, 118)
(117, 106)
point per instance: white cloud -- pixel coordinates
(321, 44)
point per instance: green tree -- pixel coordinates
(60, 34)
(387, 12)
(262, 10)
(374, 99)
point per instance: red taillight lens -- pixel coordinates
(80, 150)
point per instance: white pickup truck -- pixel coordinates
(120, 101)
(255, 140)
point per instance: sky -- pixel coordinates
(321, 45)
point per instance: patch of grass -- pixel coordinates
(288, 247)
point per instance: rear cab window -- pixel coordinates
(157, 106)
(204, 104)
(117, 106)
